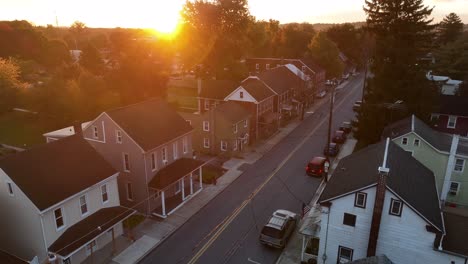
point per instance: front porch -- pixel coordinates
(174, 185)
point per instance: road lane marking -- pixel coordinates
(237, 211)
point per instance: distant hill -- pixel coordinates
(324, 26)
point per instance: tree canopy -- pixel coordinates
(326, 53)
(10, 84)
(449, 29)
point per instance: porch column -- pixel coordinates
(163, 203)
(191, 183)
(183, 188)
(200, 172)
(303, 247)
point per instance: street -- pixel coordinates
(227, 229)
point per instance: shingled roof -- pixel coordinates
(408, 178)
(217, 89)
(174, 172)
(453, 105)
(50, 173)
(150, 123)
(257, 88)
(280, 79)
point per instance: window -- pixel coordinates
(360, 199)
(153, 161)
(126, 162)
(206, 126)
(95, 132)
(189, 122)
(164, 154)
(404, 141)
(257, 66)
(459, 164)
(223, 145)
(416, 142)
(454, 187)
(452, 122)
(434, 118)
(395, 207)
(349, 219)
(241, 95)
(118, 136)
(67, 261)
(267, 66)
(245, 123)
(206, 142)
(234, 145)
(184, 145)
(104, 195)
(234, 128)
(129, 191)
(207, 104)
(10, 188)
(344, 254)
(175, 152)
(83, 205)
(59, 218)
(177, 187)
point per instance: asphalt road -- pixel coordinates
(227, 229)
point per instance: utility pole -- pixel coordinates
(330, 120)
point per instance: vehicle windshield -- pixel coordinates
(272, 232)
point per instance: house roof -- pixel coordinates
(217, 89)
(280, 79)
(173, 172)
(373, 260)
(52, 172)
(456, 227)
(232, 112)
(453, 105)
(150, 123)
(296, 62)
(257, 88)
(313, 65)
(65, 132)
(7, 258)
(408, 178)
(439, 140)
(88, 229)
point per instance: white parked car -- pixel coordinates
(278, 230)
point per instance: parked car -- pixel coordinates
(346, 127)
(339, 137)
(321, 94)
(357, 105)
(332, 150)
(279, 228)
(317, 167)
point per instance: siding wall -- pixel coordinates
(461, 127)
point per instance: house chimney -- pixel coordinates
(77, 128)
(378, 204)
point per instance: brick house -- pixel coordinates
(451, 115)
(212, 93)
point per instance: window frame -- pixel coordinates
(164, 154)
(154, 161)
(257, 66)
(246, 123)
(234, 128)
(454, 121)
(206, 142)
(206, 126)
(177, 187)
(234, 145)
(126, 161)
(241, 95)
(267, 66)
(462, 165)
(85, 204)
(184, 145)
(95, 132)
(188, 121)
(223, 145)
(345, 248)
(404, 141)
(175, 150)
(10, 188)
(350, 217)
(458, 187)
(62, 217)
(118, 136)
(356, 200)
(392, 203)
(105, 193)
(207, 104)
(418, 142)
(128, 187)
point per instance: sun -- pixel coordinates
(167, 17)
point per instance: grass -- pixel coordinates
(21, 129)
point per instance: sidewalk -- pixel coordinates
(153, 231)
(292, 253)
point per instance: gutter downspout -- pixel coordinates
(43, 235)
(146, 184)
(449, 168)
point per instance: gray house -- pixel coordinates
(148, 142)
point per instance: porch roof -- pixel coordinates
(88, 229)
(174, 172)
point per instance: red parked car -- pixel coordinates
(339, 137)
(317, 167)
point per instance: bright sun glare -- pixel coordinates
(167, 16)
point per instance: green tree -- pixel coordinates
(77, 29)
(402, 32)
(90, 59)
(55, 54)
(349, 40)
(326, 53)
(449, 29)
(294, 40)
(10, 84)
(452, 58)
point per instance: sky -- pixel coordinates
(163, 14)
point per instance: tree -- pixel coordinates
(294, 40)
(90, 59)
(77, 29)
(326, 53)
(55, 54)
(349, 40)
(449, 29)
(452, 58)
(402, 32)
(10, 84)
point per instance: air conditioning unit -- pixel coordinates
(453, 192)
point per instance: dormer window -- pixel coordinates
(95, 132)
(241, 95)
(396, 207)
(118, 136)
(360, 200)
(404, 141)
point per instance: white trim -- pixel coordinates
(350, 192)
(240, 87)
(165, 143)
(246, 122)
(154, 160)
(206, 140)
(117, 136)
(458, 187)
(207, 127)
(455, 165)
(124, 154)
(403, 141)
(425, 141)
(392, 203)
(206, 104)
(102, 194)
(85, 203)
(164, 155)
(185, 144)
(63, 218)
(175, 150)
(454, 122)
(356, 200)
(221, 145)
(235, 128)
(131, 189)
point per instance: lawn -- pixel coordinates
(21, 129)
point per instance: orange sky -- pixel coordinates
(163, 14)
